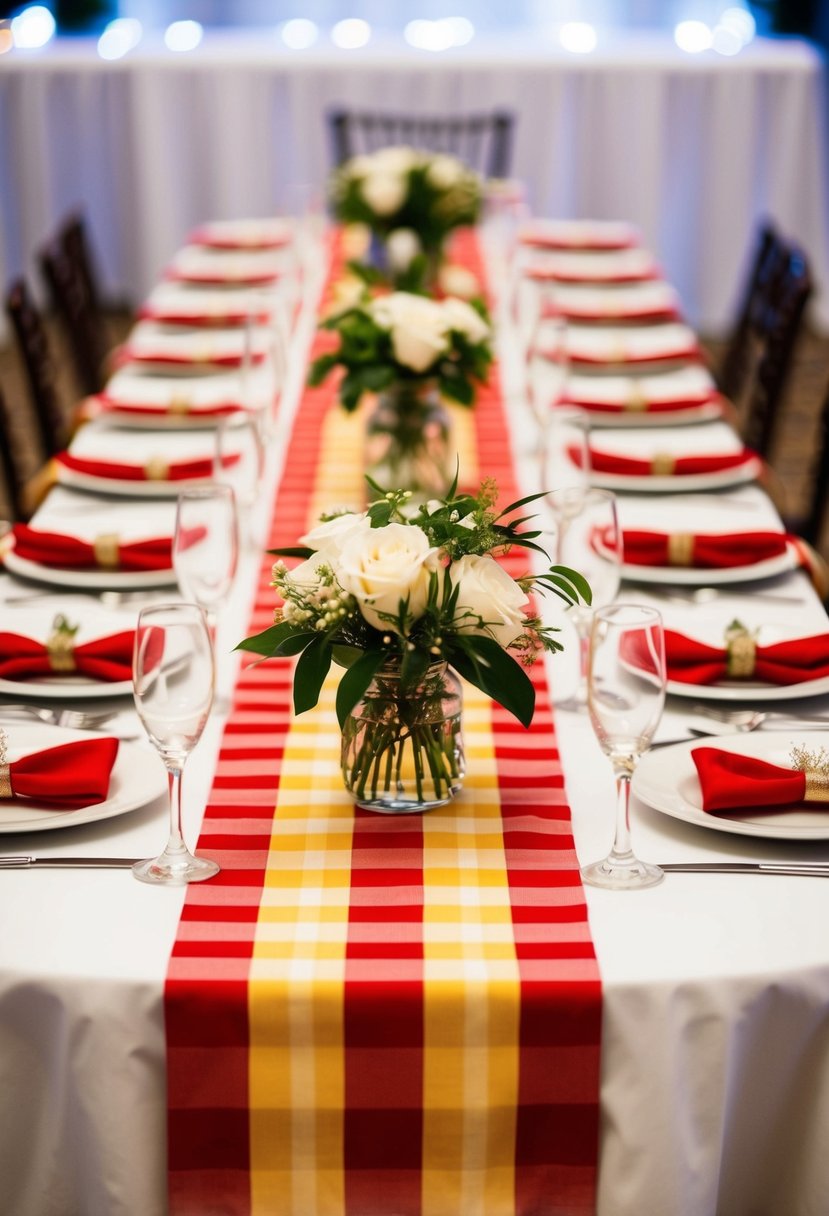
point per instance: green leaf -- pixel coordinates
(522, 502)
(311, 670)
(486, 665)
(295, 644)
(267, 642)
(293, 551)
(567, 583)
(356, 680)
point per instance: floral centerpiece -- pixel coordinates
(403, 600)
(410, 200)
(413, 352)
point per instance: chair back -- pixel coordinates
(481, 141)
(33, 345)
(767, 268)
(12, 472)
(778, 329)
(811, 526)
(73, 295)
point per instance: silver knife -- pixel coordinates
(91, 863)
(815, 869)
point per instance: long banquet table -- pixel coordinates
(715, 988)
(694, 149)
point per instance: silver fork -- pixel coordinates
(76, 718)
(744, 720)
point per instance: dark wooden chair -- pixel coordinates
(32, 340)
(69, 274)
(481, 141)
(765, 273)
(810, 526)
(776, 336)
(10, 465)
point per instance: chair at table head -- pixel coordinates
(481, 141)
(38, 366)
(69, 274)
(11, 463)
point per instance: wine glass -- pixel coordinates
(626, 695)
(173, 677)
(206, 551)
(587, 537)
(239, 462)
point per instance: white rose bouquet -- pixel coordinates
(405, 337)
(395, 596)
(410, 200)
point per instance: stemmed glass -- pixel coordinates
(206, 548)
(588, 538)
(626, 695)
(173, 677)
(547, 369)
(239, 462)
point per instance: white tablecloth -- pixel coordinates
(693, 149)
(716, 989)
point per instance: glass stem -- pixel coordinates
(622, 851)
(176, 842)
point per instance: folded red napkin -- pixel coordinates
(729, 780)
(132, 354)
(68, 776)
(715, 550)
(108, 658)
(662, 464)
(692, 662)
(170, 315)
(636, 405)
(54, 549)
(154, 470)
(174, 406)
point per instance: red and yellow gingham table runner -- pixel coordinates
(370, 1015)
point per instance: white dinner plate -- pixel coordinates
(89, 580)
(666, 779)
(689, 576)
(38, 622)
(126, 488)
(748, 470)
(706, 411)
(749, 690)
(135, 782)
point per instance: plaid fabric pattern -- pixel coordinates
(379, 1016)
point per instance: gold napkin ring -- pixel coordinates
(60, 648)
(5, 782)
(106, 550)
(741, 655)
(179, 404)
(680, 549)
(663, 464)
(636, 400)
(817, 786)
(157, 469)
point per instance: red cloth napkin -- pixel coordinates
(717, 550)
(682, 466)
(54, 549)
(182, 470)
(218, 409)
(692, 662)
(652, 406)
(131, 354)
(206, 320)
(108, 658)
(69, 776)
(730, 780)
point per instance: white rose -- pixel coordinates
(384, 193)
(383, 566)
(489, 601)
(328, 538)
(418, 328)
(395, 159)
(444, 171)
(458, 281)
(463, 318)
(402, 246)
(306, 574)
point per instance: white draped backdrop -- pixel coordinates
(692, 148)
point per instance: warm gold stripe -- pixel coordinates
(5, 781)
(680, 549)
(106, 550)
(741, 652)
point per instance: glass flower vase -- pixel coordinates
(402, 745)
(409, 440)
